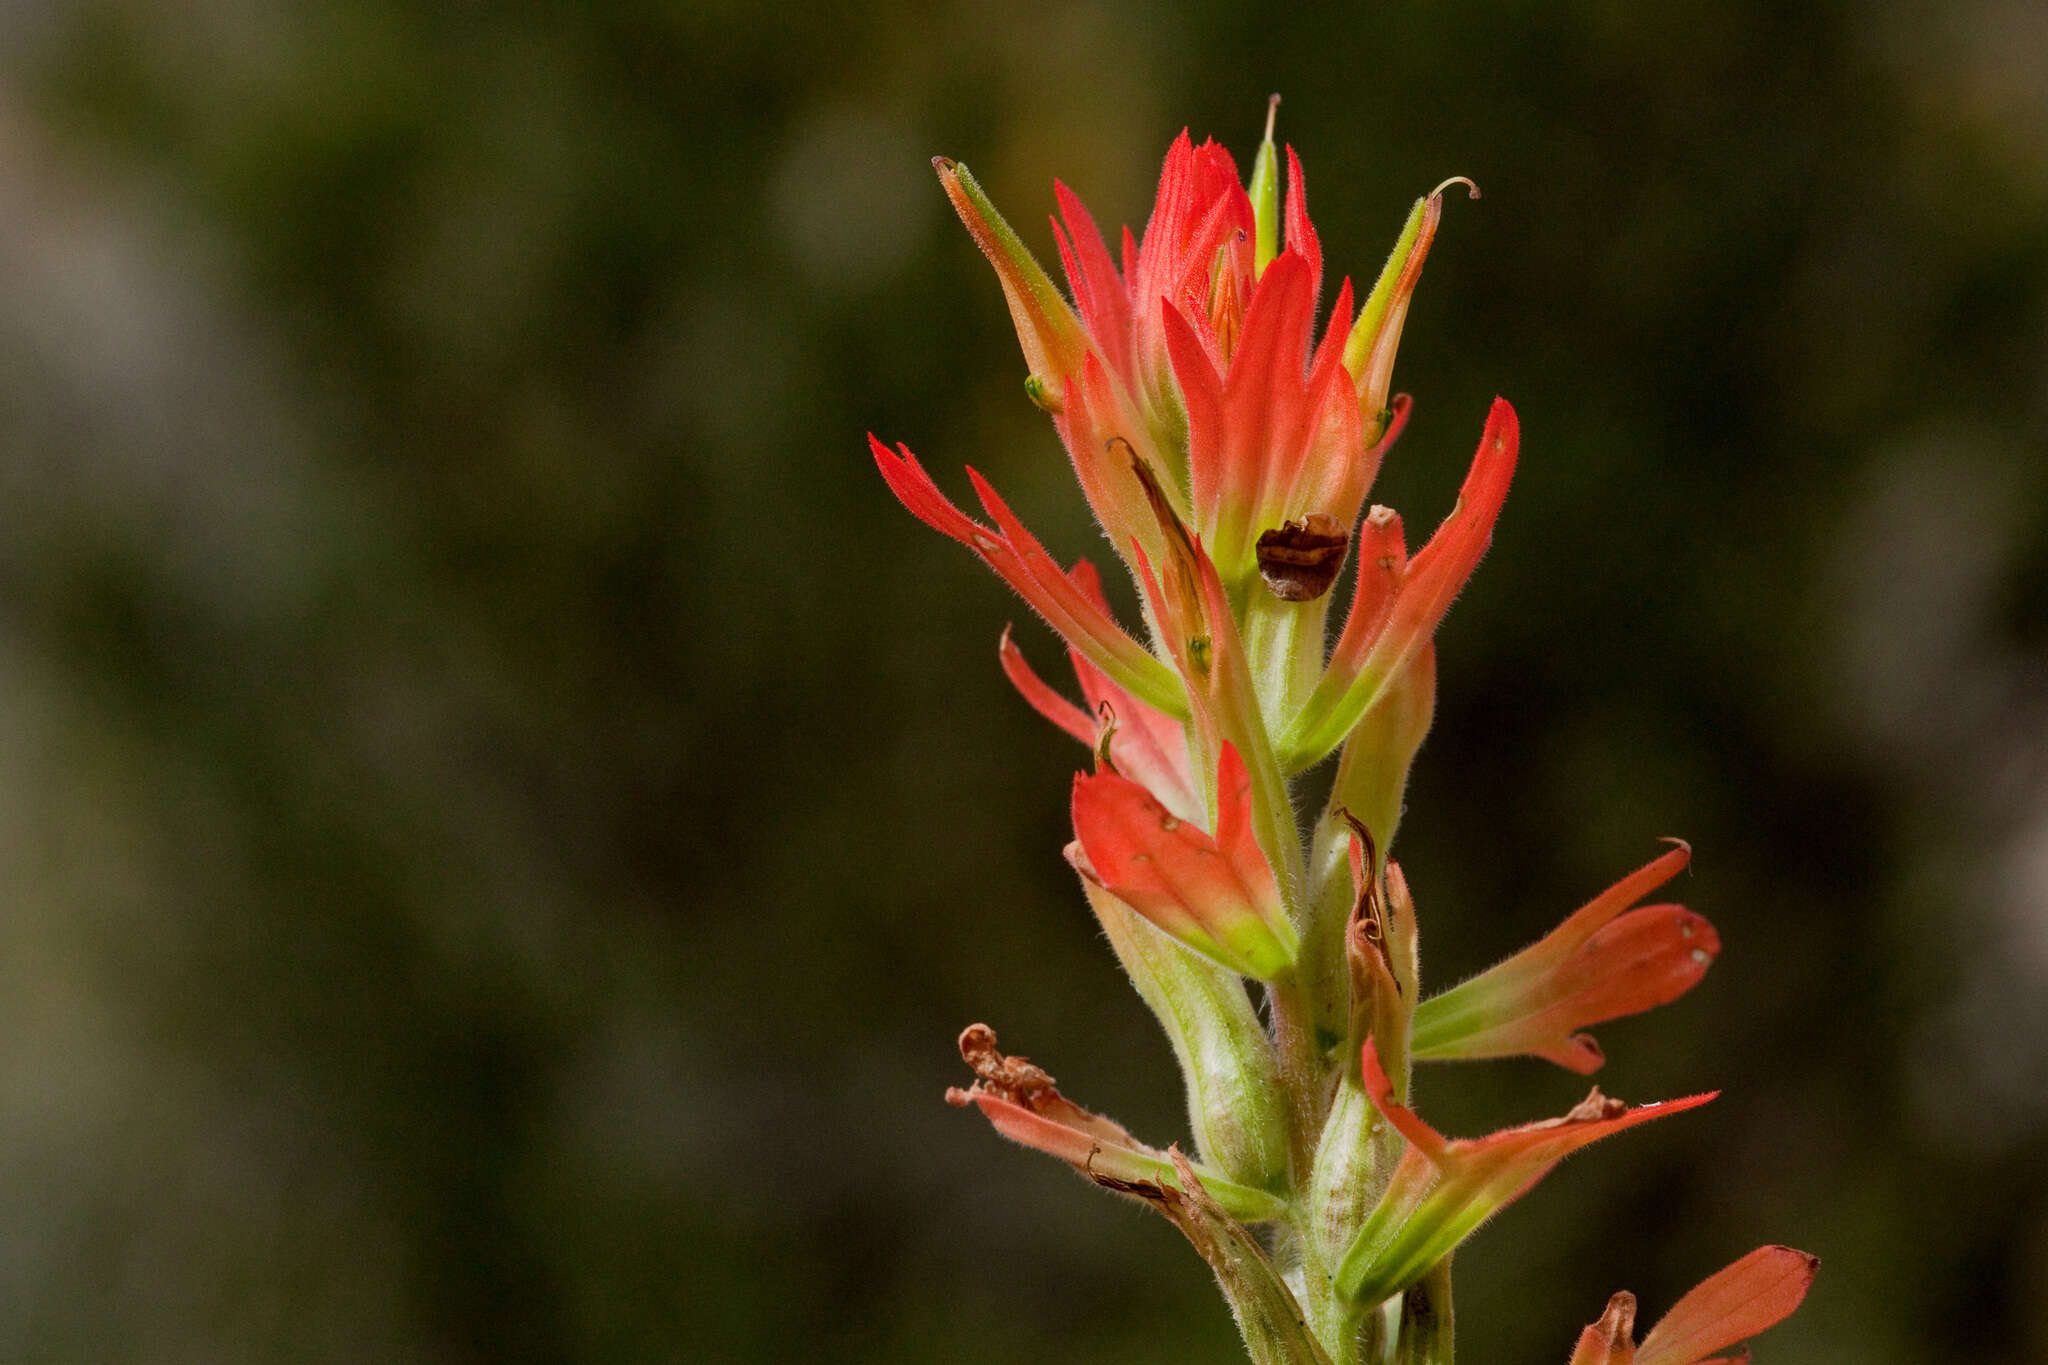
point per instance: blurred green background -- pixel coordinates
(503, 816)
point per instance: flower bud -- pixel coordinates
(1050, 334)
(1376, 336)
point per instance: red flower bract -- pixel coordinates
(1214, 891)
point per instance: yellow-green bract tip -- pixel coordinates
(1050, 334)
(1265, 194)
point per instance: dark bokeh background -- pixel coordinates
(503, 816)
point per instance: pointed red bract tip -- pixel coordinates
(1301, 233)
(1041, 697)
(1019, 560)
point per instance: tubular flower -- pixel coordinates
(1443, 1189)
(1600, 964)
(1226, 425)
(1369, 350)
(1024, 1104)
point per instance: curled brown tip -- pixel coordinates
(1364, 835)
(978, 1044)
(1473, 190)
(1013, 1078)
(1105, 731)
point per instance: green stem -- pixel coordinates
(1300, 1061)
(1349, 1332)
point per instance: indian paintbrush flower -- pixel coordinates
(1227, 442)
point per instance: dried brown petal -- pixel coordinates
(1299, 559)
(1014, 1078)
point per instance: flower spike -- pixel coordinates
(1226, 435)
(1443, 1189)
(1598, 965)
